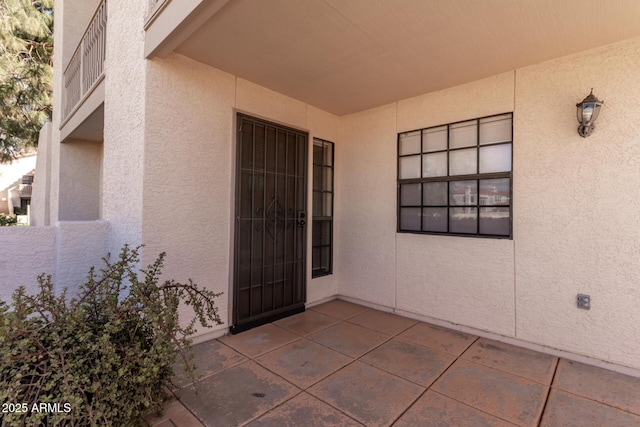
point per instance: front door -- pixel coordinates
(270, 231)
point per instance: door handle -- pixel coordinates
(301, 219)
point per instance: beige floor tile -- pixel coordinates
(169, 409)
(387, 323)
(209, 358)
(568, 410)
(515, 360)
(611, 388)
(438, 338)
(339, 309)
(436, 410)
(259, 340)
(307, 322)
(370, 395)
(349, 339)
(409, 360)
(506, 396)
(304, 410)
(237, 395)
(303, 362)
(186, 419)
(166, 423)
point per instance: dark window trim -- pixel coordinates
(449, 178)
(324, 218)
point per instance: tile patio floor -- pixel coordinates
(341, 364)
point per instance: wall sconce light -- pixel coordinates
(588, 111)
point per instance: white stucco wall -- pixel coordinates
(189, 159)
(27, 252)
(79, 246)
(460, 280)
(576, 207)
(365, 183)
(574, 212)
(41, 192)
(80, 180)
(66, 251)
(123, 155)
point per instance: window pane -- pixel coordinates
(495, 221)
(462, 162)
(410, 219)
(463, 220)
(434, 139)
(317, 204)
(315, 259)
(463, 193)
(495, 129)
(328, 154)
(434, 164)
(328, 204)
(463, 134)
(410, 167)
(435, 194)
(410, 143)
(317, 152)
(495, 158)
(321, 232)
(410, 194)
(328, 178)
(434, 219)
(495, 192)
(317, 177)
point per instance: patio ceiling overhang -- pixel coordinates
(345, 56)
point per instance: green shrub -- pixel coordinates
(104, 357)
(7, 220)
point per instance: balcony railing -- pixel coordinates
(86, 67)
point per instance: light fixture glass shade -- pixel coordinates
(587, 113)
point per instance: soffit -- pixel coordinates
(345, 56)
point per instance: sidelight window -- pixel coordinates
(322, 246)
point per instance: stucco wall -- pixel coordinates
(80, 180)
(365, 183)
(574, 211)
(66, 251)
(27, 252)
(41, 193)
(460, 280)
(189, 171)
(123, 155)
(79, 246)
(576, 207)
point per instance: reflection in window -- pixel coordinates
(456, 178)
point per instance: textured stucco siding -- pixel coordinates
(123, 156)
(27, 252)
(574, 212)
(576, 205)
(366, 210)
(81, 183)
(66, 251)
(460, 280)
(79, 246)
(40, 197)
(189, 169)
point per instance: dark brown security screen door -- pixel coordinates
(270, 232)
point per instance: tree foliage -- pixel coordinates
(26, 72)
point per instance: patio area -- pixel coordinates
(342, 364)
